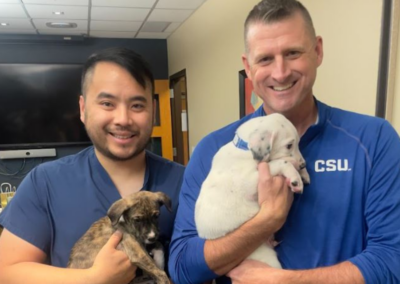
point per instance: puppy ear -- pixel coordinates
(163, 199)
(260, 144)
(116, 210)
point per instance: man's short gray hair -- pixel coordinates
(272, 11)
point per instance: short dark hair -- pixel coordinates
(271, 11)
(124, 57)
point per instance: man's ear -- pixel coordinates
(246, 65)
(82, 108)
(319, 50)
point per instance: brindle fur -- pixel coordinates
(135, 217)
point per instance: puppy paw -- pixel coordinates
(296, 185)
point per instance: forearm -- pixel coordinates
(225, 253)
(343, 273)
(37, 273)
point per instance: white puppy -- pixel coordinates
(228, 196)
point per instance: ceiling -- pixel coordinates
(155, 19)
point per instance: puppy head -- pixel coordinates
(138, 214)
(272, 137)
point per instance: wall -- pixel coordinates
(154, 51)
(396, 71)
(209, 45)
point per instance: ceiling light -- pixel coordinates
(58, 13)
(63, 25)
(4, 24)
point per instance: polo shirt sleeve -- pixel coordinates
(187, 263)
(380, 261)
(26, 215)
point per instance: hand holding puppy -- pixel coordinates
(112, 266)
(274, 196)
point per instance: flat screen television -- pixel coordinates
(39, 106)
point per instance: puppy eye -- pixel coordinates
(137, 219)
(289, 146)
(155, 215)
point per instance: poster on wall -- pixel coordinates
(248, 100)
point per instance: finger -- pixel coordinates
(114, 239)
(263, 169)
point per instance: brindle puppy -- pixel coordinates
(137, 217)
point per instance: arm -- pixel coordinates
(251, 271)
(21, 262)
(195, 260)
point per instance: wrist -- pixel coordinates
(269, 220)
(91, 276)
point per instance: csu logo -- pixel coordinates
(332, 165)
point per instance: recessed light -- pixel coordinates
(4, 24)
(61, 25)
(58, 13)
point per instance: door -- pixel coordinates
(179, 117)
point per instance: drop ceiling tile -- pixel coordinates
(153, 35)
(58, 2)
(22, 24)
(166, 15)
(119, 26)
(62, 32)
(172, 27)
(10, 1)
(46, 12)
(18, 31)
(12, 11)
(154, 27)
(119, 14)
(179, 4)
(108, 34)
(41, 24)
(124, 3)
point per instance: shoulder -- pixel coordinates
(373, 134)
(206, 149)
(352, 119)
(362, 126)
(211, 143)
(65, 165)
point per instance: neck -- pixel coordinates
(304, 119)
(126, 168)
(303, 116)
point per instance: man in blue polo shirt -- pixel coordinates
(345, 227)
(58, 201)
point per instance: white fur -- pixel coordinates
(158, 256)
(228, 196)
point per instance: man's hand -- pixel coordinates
(274, 196)
(111, 265)
(252, 271)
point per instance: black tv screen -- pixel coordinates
(39, 106)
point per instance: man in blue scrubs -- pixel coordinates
(58, 201)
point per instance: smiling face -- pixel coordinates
(117, 112)
(281, 62)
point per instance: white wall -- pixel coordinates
(209, 46)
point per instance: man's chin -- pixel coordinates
(121, 156)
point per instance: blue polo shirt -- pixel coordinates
(58, 201)
(350, 211)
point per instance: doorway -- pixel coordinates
(179, 117)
